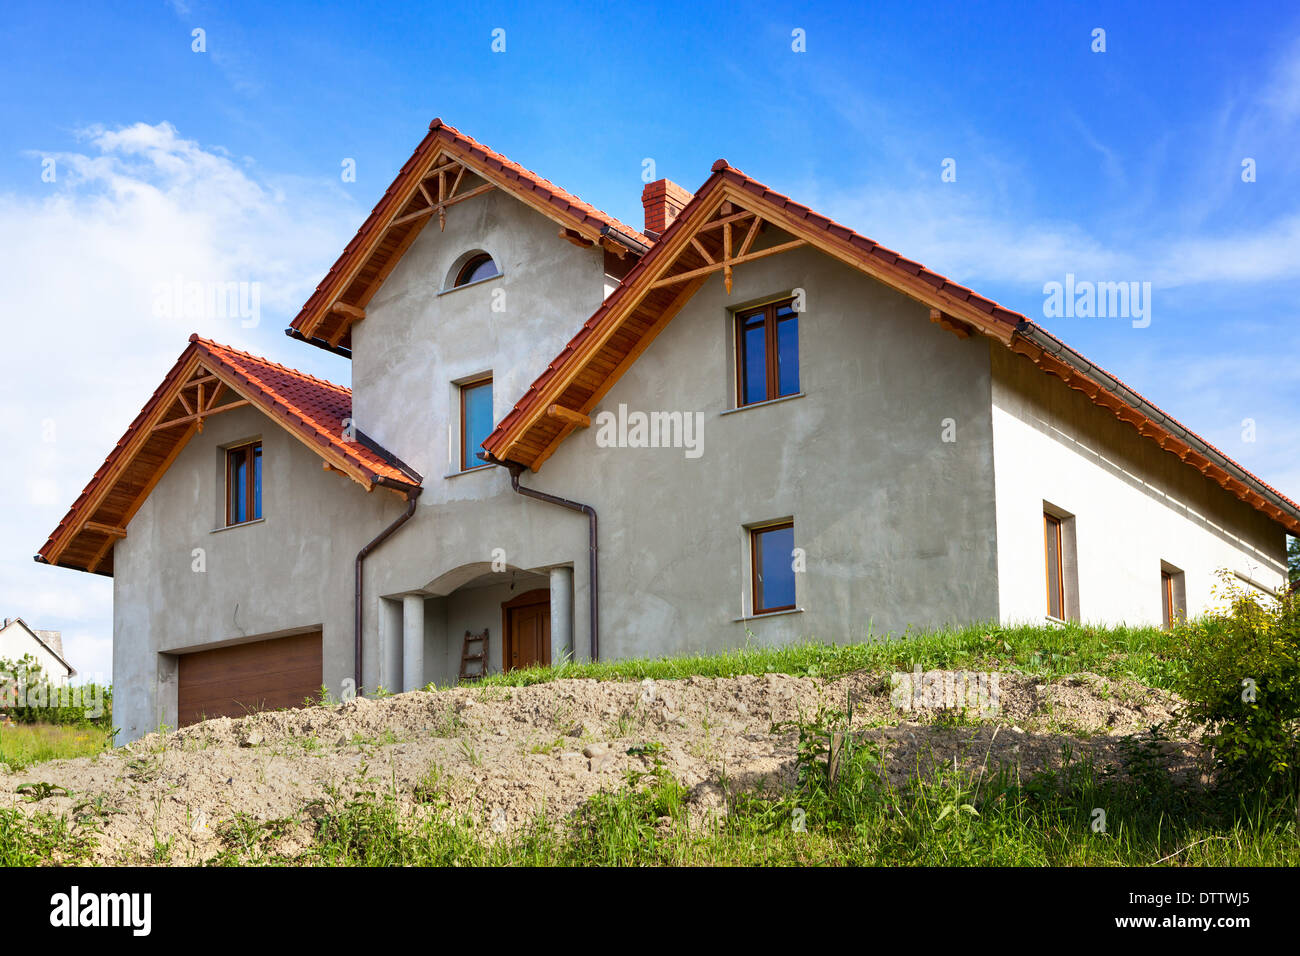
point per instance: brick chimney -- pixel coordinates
(663, 199)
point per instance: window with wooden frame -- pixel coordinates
(1055, 566)
(244, 483)
(475, 421)
(771, 550)
(476, 269)
(1173, 595)
(767, 352)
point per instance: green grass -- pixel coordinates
(942, 818)
(22, 745)
(1142, 654)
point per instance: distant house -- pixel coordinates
(17, 640)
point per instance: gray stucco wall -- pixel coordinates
(291, 571)
(897, 524)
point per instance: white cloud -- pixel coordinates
(82, 265)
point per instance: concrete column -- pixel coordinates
(390, 665)
(561, 615)
(412, 642)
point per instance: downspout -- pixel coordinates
(412, 493)
(593, 563)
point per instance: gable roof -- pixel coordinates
(52, 641)
(699, 242)
(221, 378)
(408, 204)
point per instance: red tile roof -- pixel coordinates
(444, 138)
(983, 314)
(311, 409)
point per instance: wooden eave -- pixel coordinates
(199, 386)
(433, 181)
(706, 239)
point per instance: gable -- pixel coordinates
(209, 379)
(718, 231)
(18, 640)
(446, 169)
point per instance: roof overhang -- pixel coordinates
(207, 380)
(434, 180)
(716, 233)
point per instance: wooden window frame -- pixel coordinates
(470, 464)
(467, 269)
(770, 345)
(1167, 598)
(250, 480)
(1052, 527)
(754, 584)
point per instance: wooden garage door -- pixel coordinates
(263, 675)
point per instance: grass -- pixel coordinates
(22, 745)
(941, 818)
(1075, 814)
(1142, 654)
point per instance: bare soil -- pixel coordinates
(504, 755)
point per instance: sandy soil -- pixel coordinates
(502, 755)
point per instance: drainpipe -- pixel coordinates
(412, 493)
(593, 563)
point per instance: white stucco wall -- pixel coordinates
(1134, 506)
(15, 643)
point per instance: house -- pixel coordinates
(569, 438)
(18, 640)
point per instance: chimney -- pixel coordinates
(663, 199)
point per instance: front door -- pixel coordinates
(527, 630)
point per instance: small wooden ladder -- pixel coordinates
(480, 657)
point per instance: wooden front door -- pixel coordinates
(526, 630)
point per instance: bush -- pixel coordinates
(1241, 682)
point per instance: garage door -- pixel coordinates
(263, 675)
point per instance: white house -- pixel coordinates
(17, 641)
(567, 437)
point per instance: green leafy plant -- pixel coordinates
(1241, 682)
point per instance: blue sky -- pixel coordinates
(1123, 165)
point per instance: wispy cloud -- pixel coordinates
(131, 210)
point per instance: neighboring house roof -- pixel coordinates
(208, 379)
(409, 203)
(52, 641)
(700, 242)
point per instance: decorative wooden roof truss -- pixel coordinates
(448, 168)
(724, 241)
(203, 396)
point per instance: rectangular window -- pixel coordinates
(244, 483)
(772, 553)
(475, 421)
(1173, 595)
(1055, 566)
(767, 353)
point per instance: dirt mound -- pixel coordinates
(503, 755)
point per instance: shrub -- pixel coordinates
(1241, 682)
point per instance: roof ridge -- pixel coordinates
(211, 345)
(554, 187)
